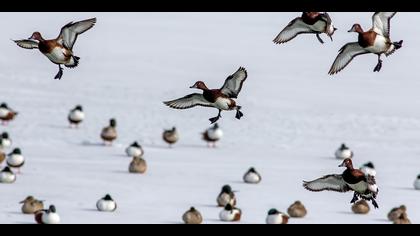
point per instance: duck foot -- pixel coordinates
(59, 74)
(214, 119)
(398, 45)
(375, 204)
(378, 66)
(320, 39)
(355, 198)
(239, 114)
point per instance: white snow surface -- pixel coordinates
(295, 116)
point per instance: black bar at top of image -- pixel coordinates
(209, 6)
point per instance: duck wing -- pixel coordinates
(26, 43)
(233, 83)
(345, 56)
(293, 29)
(69, 32)
(381, 22)
(328, 182)
(189, 101)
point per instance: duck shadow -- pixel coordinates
(382, 220)
(90, 210)
(208, 205)
(345, 212)
(406, 188)
(94, 144)
(25, 223)
(121, 172)
(57, 126)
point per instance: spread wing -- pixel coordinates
(69, 32)
(26, 43)
(233, 83)
(381, 22)
(328, 182)
(293, 29)
(189, 101)
(346, 55)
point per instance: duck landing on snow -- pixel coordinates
(222, 99)
(60, 50)
(351, 180)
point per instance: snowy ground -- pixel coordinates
(295, 116)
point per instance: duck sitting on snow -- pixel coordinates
(396, 212)
(76, 116)
(297, 210)
(343, 152)
(230, 213)
(212, 135)
(222, 99)
(252, 176)
(7, 176)
(368, 169)
(170, 136)
(109, 133)
(137, 165)
(275, 217)
(47, 217)
(192, 216)
(351, 180)
(417, 183)
(106, 204)
(402, 220)
(5, 141)
(360, 207)
(31, 205)
(6, 114)
(134, 150)
(226, 196)
(15, 159)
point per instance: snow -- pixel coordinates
(296, 116)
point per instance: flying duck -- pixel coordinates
(297, 210)
(7, 176)
(212, 135)
(351, 180)
(76, 116)
(192, 217)
(134, 150)
(226, 196)
(230, 213)
(170, 136)
(252, 176)
(275, 217)
(343, 152)
(106, 204)
(309, 23)
(60, 50)
(109, 133)
(6, 114)
(376, 40)
(31, 205)
(360, 207)
(5, 141)
(15, 159)
(222, 99)
(137, 165)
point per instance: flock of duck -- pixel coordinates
(360, 181)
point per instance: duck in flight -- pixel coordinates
(222, 99)
(60, 50)
(376, 40)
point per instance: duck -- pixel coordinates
(6, 114)
(15, 159)
(368, 168)
(376, 40)
(396, 212)
(343, 152)
(2, 157)
(297, 210)
(76, 116)
(230, 213)
(226, 196)
(48, 217)
(137, 165)
(5, 141)
(350, 180)
(106, 204)
(402, 220)
(360, 207)
(170, 136)
(31, 205)
(134, 150)
(275, 217)
(192, 217)
(221, 99)
(7, 176)
(60, 50)
(212, 135)
(109, 133)
(309, 23)
(252, 176)
(416, 182)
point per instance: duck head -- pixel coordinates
(36, 36)
(252, 170)
(4, 105)
(228, 207)
(370, 165)
(17, 151)
(5, 135)
(273, 211)
(78, 108)
(135, 144)
(113, 123)
(108, 198)
(356, 28)
(7, 170)
(347, 163)
(226, 189)
(52, 209)
(199, 85)
(28, 199)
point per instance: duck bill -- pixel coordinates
(341, 165)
